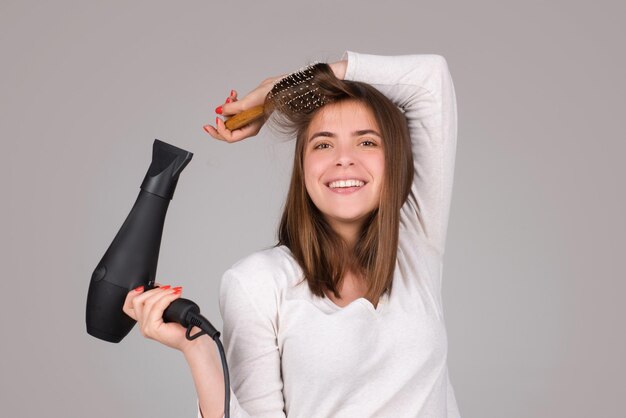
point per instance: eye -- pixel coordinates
(321, 145)
(369, 143)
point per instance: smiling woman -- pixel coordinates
(343, 316)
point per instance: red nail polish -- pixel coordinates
(165, 287)
(232, 92)
(218, 110)
(217, 120)
(228, 100)
(177, 291)
(139, 288)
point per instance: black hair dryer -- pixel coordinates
(131, 259)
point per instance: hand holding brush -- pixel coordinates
(247, 116)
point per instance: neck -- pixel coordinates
(349, 231)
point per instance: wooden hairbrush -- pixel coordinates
(295, 91)
(244, 118)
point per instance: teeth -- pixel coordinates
(346, 183)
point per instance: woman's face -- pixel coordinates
(344, 163)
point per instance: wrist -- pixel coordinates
(198, 347)
(339, 68)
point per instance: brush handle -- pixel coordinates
(244, 118)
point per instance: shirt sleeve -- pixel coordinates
(250, 342)
(421, 86)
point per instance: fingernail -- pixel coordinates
(228, 100)
(177, 288)
(232, 92)
(206, 128)
(178, 291)
(139, 288)
(165, 287)
(218, 110)
(217, 120)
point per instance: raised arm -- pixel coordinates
(422, 87)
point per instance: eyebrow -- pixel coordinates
(355, 133)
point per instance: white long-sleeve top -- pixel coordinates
(293, 354)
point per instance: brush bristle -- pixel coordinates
(297, 91)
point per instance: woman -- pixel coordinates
(343, 317)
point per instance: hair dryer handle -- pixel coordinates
(187, 314)
(179, 310)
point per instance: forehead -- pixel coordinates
(348, 115)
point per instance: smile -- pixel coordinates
(346, 184)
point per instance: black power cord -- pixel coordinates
(187, 313)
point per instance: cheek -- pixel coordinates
(381, 166)
(377, 167)
(313, 170)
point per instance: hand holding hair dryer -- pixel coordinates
(131, 261)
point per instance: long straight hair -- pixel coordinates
(321, 253)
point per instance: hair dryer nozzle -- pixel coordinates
(167, 163)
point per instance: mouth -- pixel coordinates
(346, 184)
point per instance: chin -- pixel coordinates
(348, 217)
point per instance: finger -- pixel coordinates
(229, 100)
(128, 302)
(222, 131)
(236, 135)
(213, 132)
(139, 301)
(153, 298)
(147, 307)
(233, 96)
(155, 315)
(231, 136)
(226, 108)
(232, 107)
(246, 131)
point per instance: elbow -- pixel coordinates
(440, 62)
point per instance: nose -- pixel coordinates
(344, 162)
(344, 156)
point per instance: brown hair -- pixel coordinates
(321, 253)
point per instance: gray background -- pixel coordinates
(533, 290)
